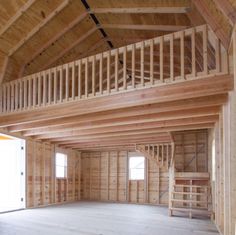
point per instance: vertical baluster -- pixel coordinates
(116, 68)
(171, 57)
(16, 95)
(151, 61)
(193, 44)
(182, 73)
(167, 156)
(162, 154)
(108, 71)
(4, 98)
(21, 94)
(93, 75)
(34, 89)
(12, 90)
(55, 85)
(142, 63)
(67, 82)
(73, 80)
(79, 79)
(61, 83)
(86, 77)
(44, 88)
(1, 99)
(217, 54)
(205, 38)
(133, 65)
(50, 86)
(125, 68)
(30, 92)
(39, 88)
(100, 74)
(8, 97)
(25, 93)
(161, 59)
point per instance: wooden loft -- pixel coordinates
(111, 84)
(102, 81)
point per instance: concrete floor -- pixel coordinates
(97, 218)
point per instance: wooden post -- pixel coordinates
(93, 75)
(73, 80)
(151, 61)
(182, 55)
(161, 59)
(79, 79)
(133, 65)
(86, 78)
(101, 74)
(109, 72)
(124, 68)
(55, 85)
(142, 63)
(108, 176)
(171, 57)
(116, 69)
(193, 45)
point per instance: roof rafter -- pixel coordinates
(212, 21)
(74, 44)
(227, 9)
(145, 27)
(141, 10)
(55, 38)
(18, 14)
(38, 27)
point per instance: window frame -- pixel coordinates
(65, 166)
(130, 169)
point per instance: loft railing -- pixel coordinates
(184, 55)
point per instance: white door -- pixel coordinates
(12, 174)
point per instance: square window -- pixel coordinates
(136, 168)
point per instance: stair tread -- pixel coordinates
(189, 193)
(188, 201)
(193, 186)
(191, 210)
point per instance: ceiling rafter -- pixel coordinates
(170, 28)
(227, 9)
(74, 44)
(54, 39)
(8, 24)
(203, 8)
(18, 14)
(141, 10)
(38, 27)
(129, 127)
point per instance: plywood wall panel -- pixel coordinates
(42, 186)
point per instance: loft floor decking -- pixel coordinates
(90, 218)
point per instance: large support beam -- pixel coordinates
(170, 28)
(178, 91)
(56, 125)
(141, 10)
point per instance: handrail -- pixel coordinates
(180, 56)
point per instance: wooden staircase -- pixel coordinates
(190, 193)
(161, 154)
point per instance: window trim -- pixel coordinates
(144, 168)
(65, 165)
